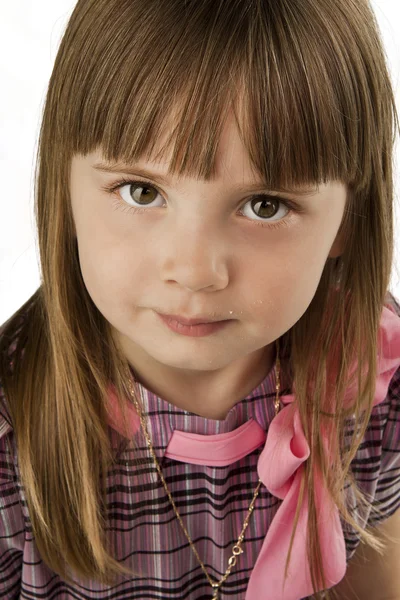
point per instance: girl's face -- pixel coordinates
(200, 248)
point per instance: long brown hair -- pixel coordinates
(311, 90)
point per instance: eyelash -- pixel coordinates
(293, 206)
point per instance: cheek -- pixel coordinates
(279, 290)
(110, 269)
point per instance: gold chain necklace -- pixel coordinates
(236, 549)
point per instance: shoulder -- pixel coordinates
(13, 519)
(376, 465)
(383, 432)
(392, 303)
(386, 415)
(9, 336)
(6, 433)
(380, 448)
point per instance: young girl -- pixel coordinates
(256, 455)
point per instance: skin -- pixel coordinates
(193, 252)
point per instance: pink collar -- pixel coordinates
(280, 467)
(216, 450)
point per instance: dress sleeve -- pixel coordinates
(387, 492)
(12, 530)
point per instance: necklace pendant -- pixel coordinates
(215, 597)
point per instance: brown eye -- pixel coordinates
(138, 194)
(266, 207)
(142, 194)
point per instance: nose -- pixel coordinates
(196, 259)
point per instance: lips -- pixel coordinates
(196, 331)
(184, 321)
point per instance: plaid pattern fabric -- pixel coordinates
(212, 502)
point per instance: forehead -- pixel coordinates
(237, 181)
(232, 160)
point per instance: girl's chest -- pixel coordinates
(212, 502)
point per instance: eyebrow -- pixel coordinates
(142, 172)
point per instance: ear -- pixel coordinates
(337, 248)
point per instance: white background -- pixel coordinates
(30, 31)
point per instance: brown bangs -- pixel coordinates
(297, 97)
